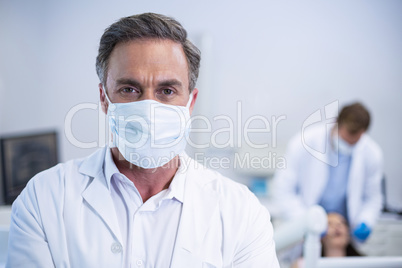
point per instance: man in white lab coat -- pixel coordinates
(141, 201)
(346, 179)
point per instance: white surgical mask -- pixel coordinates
(344, 147)
(148, 133)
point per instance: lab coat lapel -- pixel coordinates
(200, 206)
(97, 193)
(319, 171)
(355, 181)
(318, 178)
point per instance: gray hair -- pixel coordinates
(147, 25)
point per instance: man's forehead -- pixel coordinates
(143, 56)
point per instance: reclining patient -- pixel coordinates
(336, 242)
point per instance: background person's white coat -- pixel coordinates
(302, 184)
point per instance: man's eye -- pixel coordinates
(167, 91)
(128, 90)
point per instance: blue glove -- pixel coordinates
(361, 232)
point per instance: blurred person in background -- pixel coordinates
(337, 240)
(351, 187)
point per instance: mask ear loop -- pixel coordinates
(189, 101)
(112, 126)
(107, 98)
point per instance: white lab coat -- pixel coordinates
(65, 217)
(302, 182)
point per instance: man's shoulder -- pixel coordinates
(51, 178)
(222, 186)
(370, 148)
(58, 175)
(52, 184)
(370, 143)
(235, 201)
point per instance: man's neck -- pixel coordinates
(149, 182)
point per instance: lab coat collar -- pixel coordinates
(199, 208)
(177, 186)
(93, 164)
(109, 167)
(97, 193)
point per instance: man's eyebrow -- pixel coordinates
(170, 82)
(128, 81)
(135, 83)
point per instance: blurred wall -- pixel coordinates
(276, 57)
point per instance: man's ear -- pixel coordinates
(195, 94)
(102, 98)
